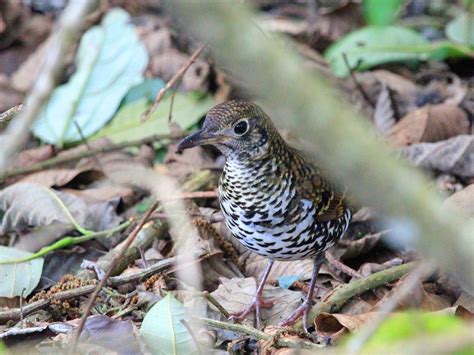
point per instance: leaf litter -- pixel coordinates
(424, 112)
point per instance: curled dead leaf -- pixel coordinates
(453, 156)
(336, 325)
(431, 123)
(350, 249)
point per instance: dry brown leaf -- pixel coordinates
(430, 123)
(452, 156)
(235, 294)
(350, 249)
(170, 61)
(336, 325)
(105, 191)
(463, 200)
(34, 155)
(189, 161)
(61, 177)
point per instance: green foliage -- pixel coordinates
(461, 29)
(372, 46)
(380, 12)
(410, 325)
(163, 331)
(16, 277)
(110, 60)
(127, 124)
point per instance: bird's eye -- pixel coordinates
(241, 127)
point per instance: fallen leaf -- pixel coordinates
(31, 156)
(463, 200)
(189, 161)
(235, 294)
(430, 123)
(166, 65)
(163, 331)
(18, 279)
(28, 205)
(61, 177)
(113, 335)
(336, 325)
(127, 124)
(350, 249)
(110, 60)
(452, 156)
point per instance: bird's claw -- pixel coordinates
(302, 310)
(256, 304)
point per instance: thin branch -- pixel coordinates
(85, 154)
(259, 335)
(216, 304)
(170, 84)
(356, 82)
(16, 313)
(336, 264)
(61, 42)
(103, 281)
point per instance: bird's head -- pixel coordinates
(238, 128)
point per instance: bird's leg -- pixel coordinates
(258, 301)
(305, 307)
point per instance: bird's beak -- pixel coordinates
(200, 137)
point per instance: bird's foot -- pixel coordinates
(302, 310)
(257, 303)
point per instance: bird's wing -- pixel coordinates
(329, 199)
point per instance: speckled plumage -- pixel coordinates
(274, 199)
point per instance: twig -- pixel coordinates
(340, 295)
(16, 313)
(10, 113)
(170, 114)
(102, 282)
(61, 42)
(21, 307)
(86, 143)
(356, 82)
(257, 334)
(216, 304)
(198, 194)
(173, 81)
(342, 267)
(68, 159)
(400, 293)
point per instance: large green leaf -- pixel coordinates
(372, 46)
(16, 277)
(380, 13)
(110, 60)
(127, 125)
(461, 29)
(163, 331)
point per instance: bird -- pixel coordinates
(274, 199)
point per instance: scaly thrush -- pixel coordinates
(274, 200)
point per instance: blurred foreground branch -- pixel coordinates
(61, 41)
(312, 109)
